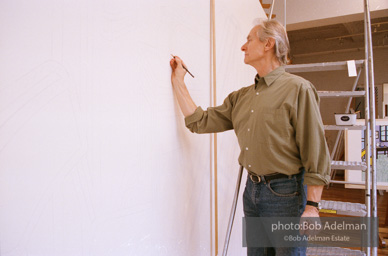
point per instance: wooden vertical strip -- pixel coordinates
(213, 73)
(285, 15)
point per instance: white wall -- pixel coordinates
(94, 155)
(310, 13)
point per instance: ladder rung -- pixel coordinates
(348, 165)
(322, 94)
(343, 208)
(344, 127)
(325, 66)
(320, 251)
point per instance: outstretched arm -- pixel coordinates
(185, 101)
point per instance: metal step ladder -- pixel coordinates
(344, 208)
(338, 207)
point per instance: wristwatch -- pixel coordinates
(315, 204)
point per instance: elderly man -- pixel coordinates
(279, 130)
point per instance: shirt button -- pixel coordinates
(257, 93)
(249, 129)
(249, 166)
(252, 110)
(246, 148)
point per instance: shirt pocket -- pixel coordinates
(274, 126)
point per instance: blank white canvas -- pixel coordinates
(94, 155)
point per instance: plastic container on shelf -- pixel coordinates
(345, 119)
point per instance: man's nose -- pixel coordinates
(243, 48)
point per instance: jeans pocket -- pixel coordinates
(283, 187)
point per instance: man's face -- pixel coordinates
(253, 48)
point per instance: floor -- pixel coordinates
(337, 192)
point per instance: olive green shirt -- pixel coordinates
(278, 126)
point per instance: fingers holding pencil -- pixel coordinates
(178, 72)
(177, 62)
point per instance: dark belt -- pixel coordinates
(267, 178)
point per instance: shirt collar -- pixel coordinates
(270, 77)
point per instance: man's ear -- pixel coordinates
(270, 44)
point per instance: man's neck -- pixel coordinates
(266, 67)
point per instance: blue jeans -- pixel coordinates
(284, 197)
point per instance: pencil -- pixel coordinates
(184, 67)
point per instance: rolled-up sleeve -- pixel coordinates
(310, 138)
(214, 119)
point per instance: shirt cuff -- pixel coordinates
(316, 179)
(195, 117)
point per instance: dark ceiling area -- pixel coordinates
(337, 38)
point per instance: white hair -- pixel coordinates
(274, 29)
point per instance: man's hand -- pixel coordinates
(310, 211)
(310, 219)
(178, 72)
